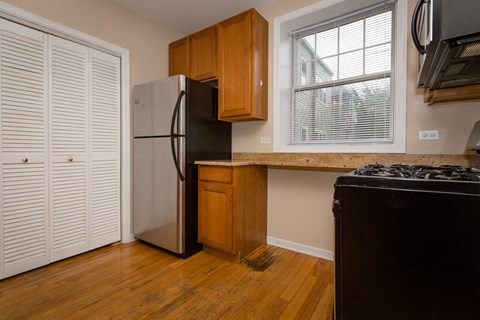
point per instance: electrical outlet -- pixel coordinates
(265, 140)
(433, 135)
(428, 135)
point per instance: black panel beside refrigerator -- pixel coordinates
(209, 139)
(175, 124)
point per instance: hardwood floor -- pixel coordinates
(137, 281)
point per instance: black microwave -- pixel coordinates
(447, 35)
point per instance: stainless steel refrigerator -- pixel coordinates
(175, 124)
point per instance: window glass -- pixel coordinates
(344, 92)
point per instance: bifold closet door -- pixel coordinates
(59, 147)
(24, 221)
(104, 148)
(69, 84)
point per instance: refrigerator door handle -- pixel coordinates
(174, 135)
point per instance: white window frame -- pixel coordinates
(28, 19)
(281, 78)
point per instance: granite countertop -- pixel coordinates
(338, 161)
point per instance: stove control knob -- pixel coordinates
(337, 208)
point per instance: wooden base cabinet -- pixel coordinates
(232, 210)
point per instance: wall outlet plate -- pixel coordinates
(428, 135)
(265, 140)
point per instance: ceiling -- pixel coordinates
(188, 16)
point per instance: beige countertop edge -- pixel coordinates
(337, 162)
(278, 164)
(227, 163)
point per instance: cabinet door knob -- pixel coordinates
(70, 159)
(25, 159)
(261, 83)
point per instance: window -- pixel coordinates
(344, 84)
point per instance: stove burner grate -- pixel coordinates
(444, 172)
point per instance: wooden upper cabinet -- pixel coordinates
(178, 57)
(234, 52)
(203, 57)
(243, 67)
(195, 56)
(467, 93)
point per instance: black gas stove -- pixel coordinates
(407, 243)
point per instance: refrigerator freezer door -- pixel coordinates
(154, 103)
(143, 110)
(158, 194)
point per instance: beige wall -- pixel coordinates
(106, 20)
(300, 207)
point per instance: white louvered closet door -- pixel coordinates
(23, 147)
(69, 145)
(104, 148)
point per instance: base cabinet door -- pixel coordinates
(216, 216)
(232, 210)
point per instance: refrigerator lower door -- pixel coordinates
(158, 194)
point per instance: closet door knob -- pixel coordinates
(25, 159)
(70, 159)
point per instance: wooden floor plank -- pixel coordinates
(138, 281)
(323, 311)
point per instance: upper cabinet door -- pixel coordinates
(203, 57)
(178, 57)
(243, 71)
(69, 144)
(23, 149)
(234, 88)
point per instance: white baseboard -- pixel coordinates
(130, 238)
(302, 248)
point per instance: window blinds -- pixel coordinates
(342, 80)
